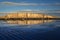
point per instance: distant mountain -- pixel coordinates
(28, 14)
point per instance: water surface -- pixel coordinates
(44, 31)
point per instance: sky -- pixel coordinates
(49, 6)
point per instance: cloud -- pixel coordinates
(18, 4)
(29, 4)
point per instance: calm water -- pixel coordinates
(45, 31)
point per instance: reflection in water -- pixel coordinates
(28, 22)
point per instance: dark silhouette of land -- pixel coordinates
(30, 19)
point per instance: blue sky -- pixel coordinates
(29, 5)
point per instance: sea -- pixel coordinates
(44, 31)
